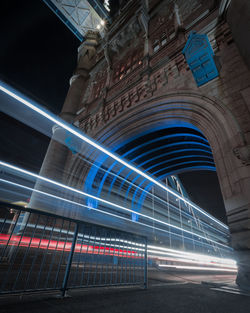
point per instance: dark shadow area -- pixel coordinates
(203, 189)
(21, 145)
(38, 52)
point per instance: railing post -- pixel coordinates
(146, 265)
(68, 266)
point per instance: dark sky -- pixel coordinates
(38, 52)
(38, 56)
(203, 189)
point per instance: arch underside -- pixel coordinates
(165, 136)
(161, 151)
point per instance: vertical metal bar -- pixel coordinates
(122, 259)
(138, 261)
(61, 258)
(126, 262)
(7, 244)
(134, 261)
(104, 257)
(5, 218)
(26, 253)
(67, 271)
(82, 230)
(142, 260)
(37, 251)
(86, 257)
(54, 253)
(107, 265)
(112, 268)
(14, 255)
(97, 257)
(146, 264)
(92, 254)
(45, 255)
(131, 258)
(2, 228)
(117, 265)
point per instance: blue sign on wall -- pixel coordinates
(200, 58)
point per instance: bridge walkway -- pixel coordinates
(167, 292)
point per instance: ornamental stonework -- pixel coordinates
(123, 80)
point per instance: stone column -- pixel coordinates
(54, 162)
(238, 215)
(237, 13)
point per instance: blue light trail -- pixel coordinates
(89, 141)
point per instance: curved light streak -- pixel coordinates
(102, 200)
(75, 132)
(201, 268)
(103, 212)
(92, 173)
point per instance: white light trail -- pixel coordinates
(197, 256)
(15, 168)
(183, 260)
(75, 132)
(178, 255)
(184, 267)
(153, 251)
(82, 205)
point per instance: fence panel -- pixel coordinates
(106, 257)
(40, 251)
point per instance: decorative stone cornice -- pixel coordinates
(152, 78)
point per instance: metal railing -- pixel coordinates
(42, 251)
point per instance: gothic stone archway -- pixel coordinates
(139, 74)
(224, 134)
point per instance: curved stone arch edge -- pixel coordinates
(212, 117)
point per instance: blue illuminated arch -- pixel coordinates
(187, 155)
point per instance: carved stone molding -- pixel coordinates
(243, 154)
(87, 51)
(223, 7)
(143, 85)
(80, 73)
(127, 35)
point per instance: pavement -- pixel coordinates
(168, 292)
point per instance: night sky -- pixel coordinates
(38, 56)
(38, 52)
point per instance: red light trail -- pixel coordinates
(23, 241)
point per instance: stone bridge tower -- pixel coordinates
(137, 75)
